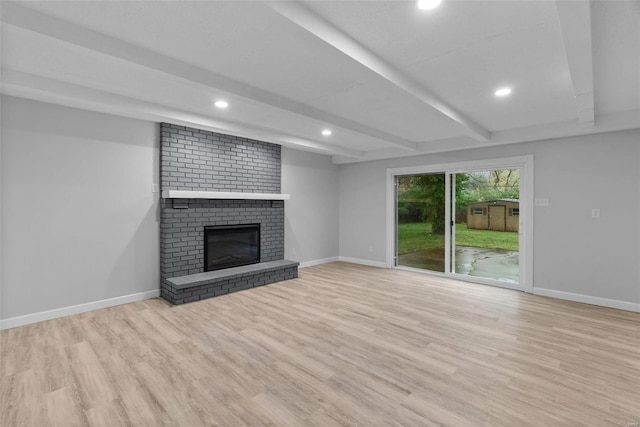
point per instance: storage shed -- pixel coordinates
(499, 215)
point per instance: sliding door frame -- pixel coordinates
(524, 163)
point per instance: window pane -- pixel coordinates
(421, 221)
(487, 220)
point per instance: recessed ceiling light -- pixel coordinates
(326, 132)
(428, 4)
(504, 91)
(221, 104)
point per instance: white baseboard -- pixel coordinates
(318, 262)
(111, 302)
(604, 302)
(27, 319)
(379, 264)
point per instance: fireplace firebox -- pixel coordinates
(231, 246)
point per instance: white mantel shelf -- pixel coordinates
(181, 194)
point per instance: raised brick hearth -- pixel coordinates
(192, 159)
(209, 284)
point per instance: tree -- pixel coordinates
(422, 197)
(491, 185)
(428, 192)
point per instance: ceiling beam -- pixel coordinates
(30, 86)
(575, 23)
(299, 14)
(628, 120)
(32, 20)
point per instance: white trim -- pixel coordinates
(464, 166)
(391, 219)
(525, 163)
(585, 299)
(181, 194)
(526, 223)
(13, 322)
(1, 192)
(421, 271)
(318, 262)
(449, 213)
(462, 278)
(379, 264)
(588, 299)
(485, 281)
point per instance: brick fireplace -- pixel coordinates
(196, 160)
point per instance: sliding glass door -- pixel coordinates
(486, 213)
(462, 222)
(421, 221)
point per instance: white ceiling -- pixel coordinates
(388, 79)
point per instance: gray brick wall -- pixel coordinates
(182, 230)
(193, 159)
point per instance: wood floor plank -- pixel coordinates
(342, 345)
(91, 383)
(109, 414)
(22, 390)
(62, 410)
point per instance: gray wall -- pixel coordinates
(572, 252)
(311, 215)
(81, 182)
(79, 218)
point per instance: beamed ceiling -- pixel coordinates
(388, 79)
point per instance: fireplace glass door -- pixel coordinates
(231, 246)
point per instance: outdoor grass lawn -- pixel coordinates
(414, 236)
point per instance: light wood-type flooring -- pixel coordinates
(343, 345)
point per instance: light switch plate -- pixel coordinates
(542, 202)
